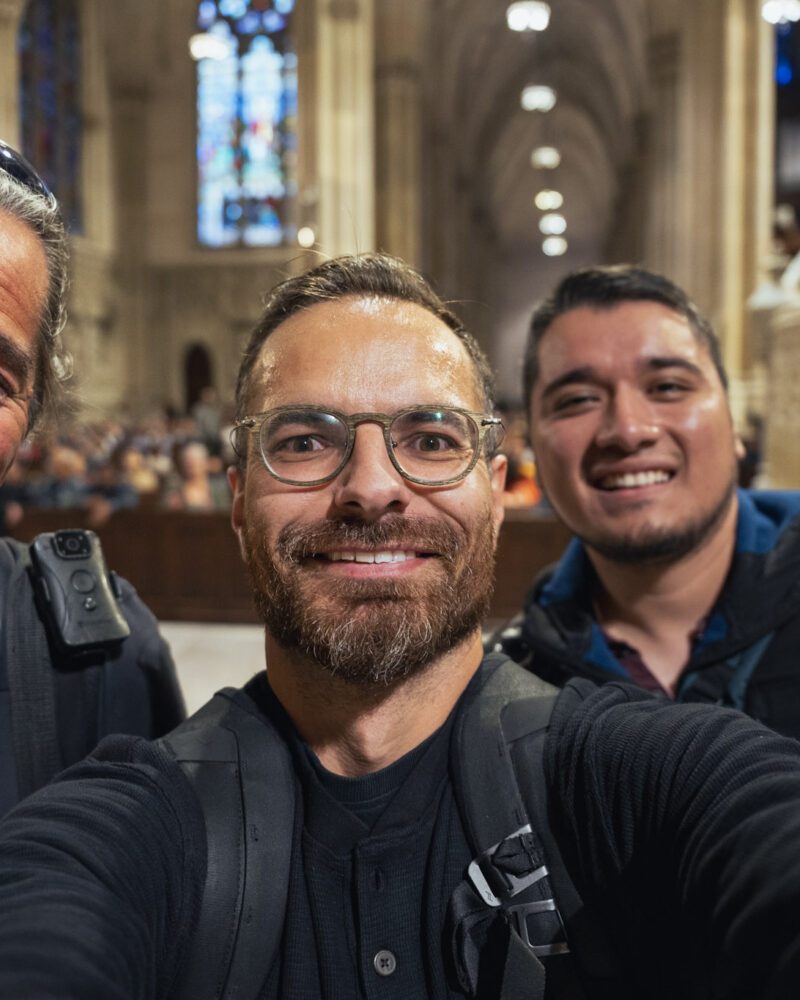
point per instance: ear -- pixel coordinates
(498, 469)
(236, 479)
(739, 449)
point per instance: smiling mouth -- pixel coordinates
(385, 556)
(633, 480)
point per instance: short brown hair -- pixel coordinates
(371, 274)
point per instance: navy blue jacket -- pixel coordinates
(748, 655)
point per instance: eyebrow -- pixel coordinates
(584, 373)
(20, 363)
(588, 373)
(298, 416)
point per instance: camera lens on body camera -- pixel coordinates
(72, 544)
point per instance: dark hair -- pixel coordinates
(371, 274)
(53, 363)
(604, 288)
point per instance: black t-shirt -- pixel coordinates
(380, 856)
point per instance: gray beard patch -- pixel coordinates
(372, 632)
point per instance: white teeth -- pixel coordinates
(631, 479)
(391, 555)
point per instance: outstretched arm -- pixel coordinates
(99, 879)
(681, 826)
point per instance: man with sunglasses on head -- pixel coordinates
(57, 700)
(385, 811)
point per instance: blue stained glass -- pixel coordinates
(233, 8)
(249, 24)
(273, 22)
(246, 106)
(49, 99)
(283, 6)
(783, 72)
(206, 14)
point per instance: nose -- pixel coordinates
(369, 485)
(629, 421)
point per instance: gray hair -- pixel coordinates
(53, 363)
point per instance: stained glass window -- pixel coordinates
(246, 123)
(50, 112)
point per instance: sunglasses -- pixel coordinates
(17, 167)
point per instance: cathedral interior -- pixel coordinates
(202, 151)
(415, 127)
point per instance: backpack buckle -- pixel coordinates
(499, 885)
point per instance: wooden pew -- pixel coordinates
(187, 567)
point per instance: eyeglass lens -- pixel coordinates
(432, 445)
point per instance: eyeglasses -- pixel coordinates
(17, 167)
(430, 445)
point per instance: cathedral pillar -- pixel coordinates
(665, 224)
(398, 127)
(344, 98)
(143, 374)
(10, 17)
(727, 123)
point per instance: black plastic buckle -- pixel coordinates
(498, 888)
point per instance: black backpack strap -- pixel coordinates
(31, 683)
(242, 773)
(509, 872)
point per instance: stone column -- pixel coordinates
(780, 466)
(98, 220)
(144, 376)
(345, 125)
(664, 228)
(10, 17)
(398, 127)
(727, 125)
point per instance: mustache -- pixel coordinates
(298, 542)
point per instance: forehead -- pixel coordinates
(623, 338)
(23, 278)
(364, 353)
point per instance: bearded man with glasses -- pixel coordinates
(386, 812)
(55, 703)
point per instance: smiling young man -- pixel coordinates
(354, 822)
(675, 579)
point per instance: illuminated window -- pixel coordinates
(49, 94)
(246, 123)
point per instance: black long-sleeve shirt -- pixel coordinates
(679, 825)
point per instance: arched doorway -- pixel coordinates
(197, 372)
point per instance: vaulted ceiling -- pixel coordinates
(593, 53)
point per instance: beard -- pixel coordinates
(372, 632)
(662, 545)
